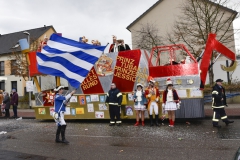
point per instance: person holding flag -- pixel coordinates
(68, 59)
(60, 103)
(71, 60)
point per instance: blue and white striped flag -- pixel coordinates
(68, 59)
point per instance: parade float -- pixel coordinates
(126, 69)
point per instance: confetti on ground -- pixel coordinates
(3, 132)
(20, 118)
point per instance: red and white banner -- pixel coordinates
(126, 69)
(91, 84)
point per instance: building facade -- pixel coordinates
(8, 78)
(163, 15)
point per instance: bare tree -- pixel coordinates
(18, 64)
(201, 17)
(18, 61)
(147, 37)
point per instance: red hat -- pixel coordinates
(150, 79)
(169, 81)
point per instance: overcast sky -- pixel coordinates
(95, 19)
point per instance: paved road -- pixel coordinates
(33, 139)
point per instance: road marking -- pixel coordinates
(230, 139)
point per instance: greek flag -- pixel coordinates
(68, 59)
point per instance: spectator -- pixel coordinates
(14, 102)
(1, 101)
(6, 101)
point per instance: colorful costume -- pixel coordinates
(171, 99)
(171, 102)
(139, 100)
(152, 94)
(59, 108)
(114, 47)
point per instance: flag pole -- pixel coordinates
(105, 47)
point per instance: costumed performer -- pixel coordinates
(60, 102)
(152, 94)
(122, 46)
(139, 103)
(171, 102)
(114, 46)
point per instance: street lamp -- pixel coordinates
(28, 34)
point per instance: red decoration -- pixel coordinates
(126, 69)
(173, 68)
(213, 44)
(33, 65)
(48, 98)
(91, 84)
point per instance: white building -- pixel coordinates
(163, 14)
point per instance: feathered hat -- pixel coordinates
(58, 88)
(150, 79)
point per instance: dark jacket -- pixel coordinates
(219, 97)
(14, 99)
(6, 101)
(114, 97)
(124, 47)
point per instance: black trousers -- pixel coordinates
(219, 113)
(15, 110)
(7, 114)
(114, 111)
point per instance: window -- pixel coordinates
(2, 85)
(2, 71)
(13, 67)
(14, 85)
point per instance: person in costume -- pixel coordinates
(96, 43)
(60, 102)
(122, 46)
(152, 94)
(171, 102)
(139, 103)
(83, 39)
(218, 104)
(114, 46)
(114, 101)
(42, 43)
